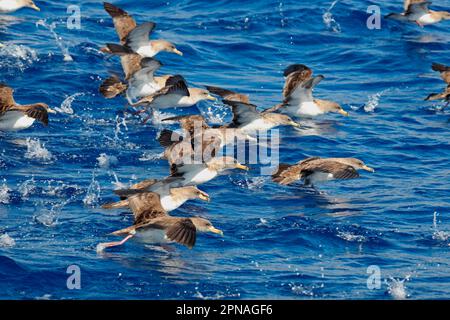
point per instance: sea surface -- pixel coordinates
(383, 236)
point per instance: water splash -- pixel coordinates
(105, 161)
(36, 150)
(13, 57)
(348, 236)
(66, 105)
(49, 218)
(329, 20)
(373, 102)
(397, 288)
(151, 156)
(93, 193)
(438, 234)
(6, 241)
(27, 188)
(51, 27)
(4, 193)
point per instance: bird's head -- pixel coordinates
(204, 225)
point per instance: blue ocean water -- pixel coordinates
(279, 242)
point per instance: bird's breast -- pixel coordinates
(14, 121)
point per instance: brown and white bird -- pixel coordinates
(175, 94)
(170, 200)
(152, 224)
(14, 117)
(445, 75)
(135, 38)
(316, 170)
(8, 6)
(298, 95)
(140, 80)
(246, 117)
(184, 174)
(198, 136)
(418, 11)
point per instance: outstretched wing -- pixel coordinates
(304, 91)
(175, 85)
(407, 3)
(243, 113)
(146, 206)
(183, 232)
(337, 169)
(418, 8)
(443, 70)
(123, 22)
(139, 36)
(295, 75)
(228, 94)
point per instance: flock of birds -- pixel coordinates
(194, 155)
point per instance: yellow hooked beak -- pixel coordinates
(204, 197)
(242, 167)
(294, 124)
(51, 110)
(178, 52)
(35, 7)
(210, 97)
(368, 168)
(343, 112)
(216, 231)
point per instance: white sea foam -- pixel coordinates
(438, 234)
(329, 20)
(373, 102)
(105, 161)
(397, 288)
(348, 236)
(151, 156)
(4, 193)
(36, 150)
(27, 188)
(6, 241)
(15, 57)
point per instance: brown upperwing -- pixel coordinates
(123, 22)
(146, 206)
(6, 98)
(228, 94)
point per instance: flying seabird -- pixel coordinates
(249, 120)
(182, 175)
(445, 74)
(170, 200)
(140, 80)
(175, 94)
(417, 11)
(152, 224)
(196, 131)
(246, 117)
(8, 6)
(199, 173)
(14, 117)
(298, 94)
(135, 38)
(315, 170)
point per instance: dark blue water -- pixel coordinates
(280, 242)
